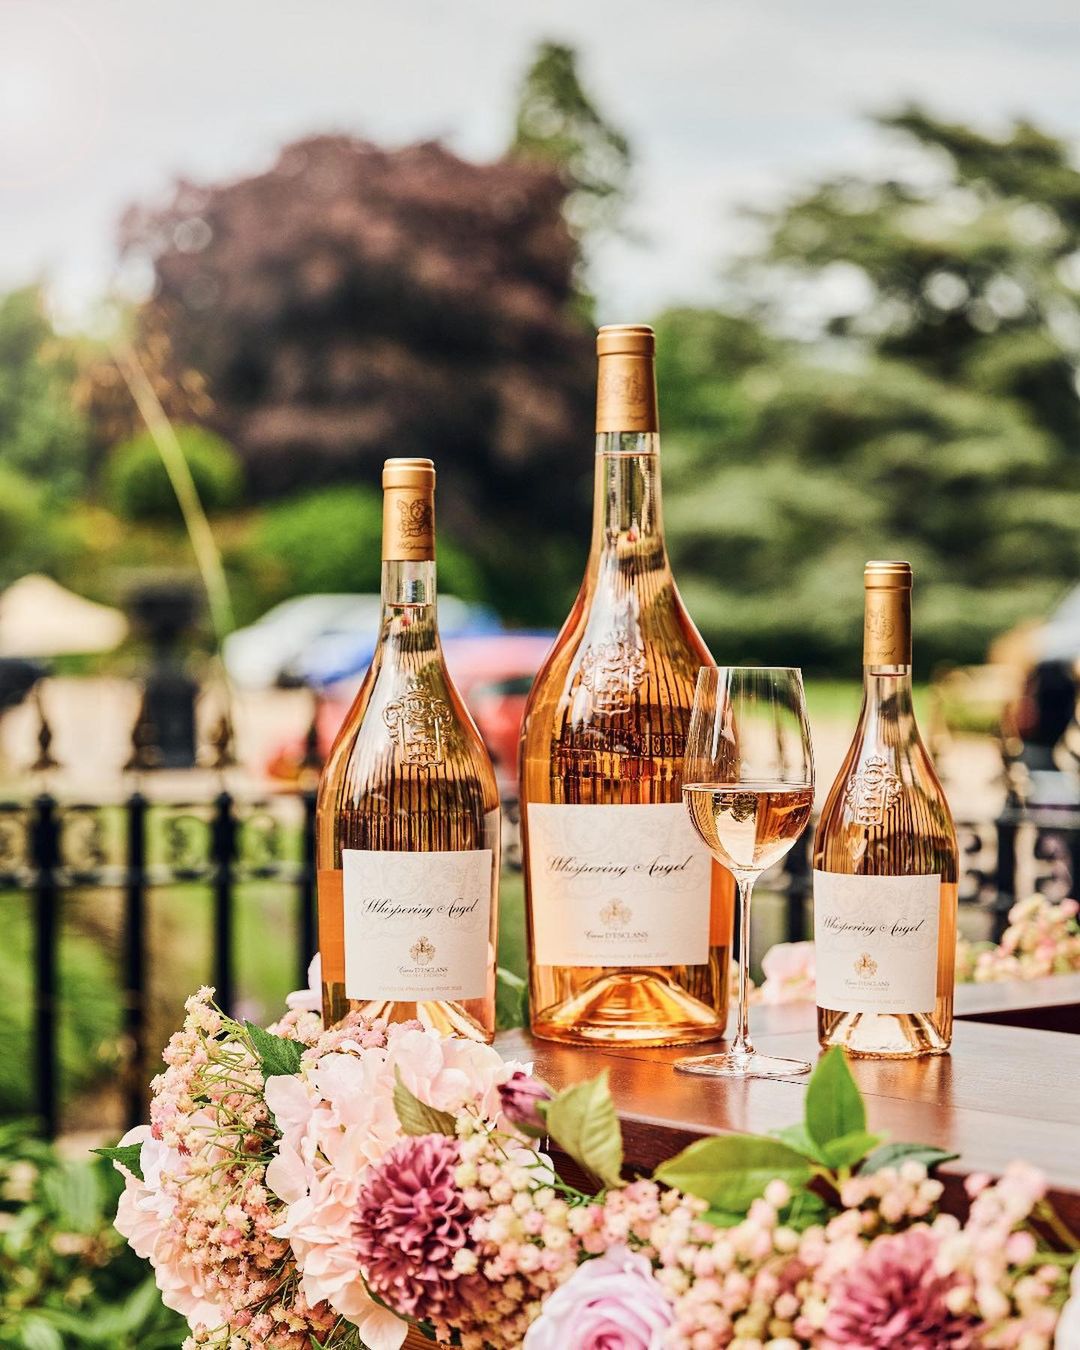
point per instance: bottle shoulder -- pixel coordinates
(616, 637)
(409, 722)
(886, 791)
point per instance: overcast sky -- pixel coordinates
(727, 102)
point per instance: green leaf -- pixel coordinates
(834, 1104)
(850, 1149)
(127, 1155)
(582, 1121)
(511, 1000)
(796, 1137)
(415, 1116)
(722, 1218)
(731, 1170)
(37, 1334)
(892, 1155)
(277, 1056)
(805, 1209)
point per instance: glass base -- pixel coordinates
(752, 1065)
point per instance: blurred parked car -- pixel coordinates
(493, 671)
(320, 639)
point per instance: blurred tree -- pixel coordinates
(137, 486)
(101, 391)
(901, 380)
(330, 540)
(559, 123)
(353, 303)
(965, 262)
(42, 436)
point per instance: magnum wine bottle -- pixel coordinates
(885, 860)
(629, 921)
(408, 811)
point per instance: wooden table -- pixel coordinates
(1005, 1091)
(1052, 1004)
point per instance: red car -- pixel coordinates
(493, 673)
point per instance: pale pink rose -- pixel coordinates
(309, 999)
(611, 1303)
(789, 972)
(1067, 1336)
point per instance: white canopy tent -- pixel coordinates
(40, 618)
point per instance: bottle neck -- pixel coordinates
(887, 697)
(887, 663)
(409, 621)
(628, 518)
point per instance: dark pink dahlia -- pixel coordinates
(894, 1297)
(411, 1220)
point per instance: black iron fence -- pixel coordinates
(50, 849)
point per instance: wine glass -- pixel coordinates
(748, 783)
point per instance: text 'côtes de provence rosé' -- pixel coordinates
(885, 861)
(407, 832)
(629, 919)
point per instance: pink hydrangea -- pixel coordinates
(143, 1217)
(895, 1296)
(201, 1213)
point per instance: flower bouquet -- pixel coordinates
(302, 1189)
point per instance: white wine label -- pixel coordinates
(617, 886)
(876, 942)
(417, 924)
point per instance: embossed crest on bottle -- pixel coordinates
(417, 720)
(872, 790)
(614, 667)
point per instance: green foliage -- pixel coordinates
(278, 1056)
(581, 1120)
(557, 121)
(127, 1155)
(67, 1277)
(330, 540)
(417, 1117)
(732, 1170)
(89, 1011)
(927, 409)
(511, 1000)
(834, 1104)
(892, 1155)
(35, 535)
(43, 441)
(42, 436)
(137, 485)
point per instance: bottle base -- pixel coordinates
(630, 1008)
(882, 1035)
(448, 1019)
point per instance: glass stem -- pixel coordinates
(742, 1047)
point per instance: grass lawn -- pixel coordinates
(840, 700)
